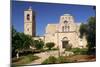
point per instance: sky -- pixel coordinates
(47, 13)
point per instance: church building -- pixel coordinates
(66, 32)
(29, 22)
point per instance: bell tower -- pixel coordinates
(29, 22)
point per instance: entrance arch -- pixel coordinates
(65, 42)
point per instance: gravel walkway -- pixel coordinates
(43, 56)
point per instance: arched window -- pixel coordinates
(28, 17)
(69, 18)
(65, 22)
(65, 29)
(27, 29)
(62, 28)
(66, 17)
(68, 28)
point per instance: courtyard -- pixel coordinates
(66, 57)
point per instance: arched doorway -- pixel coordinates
(65, 42)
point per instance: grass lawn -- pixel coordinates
(24, 59)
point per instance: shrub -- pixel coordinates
(54, 60)
(50, 60)
(54, 48)
(38, 44)
(61, 59)
(79, 51)
(50, 45)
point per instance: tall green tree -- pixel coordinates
(83, 30)
(13, 33)
(20, 41)
(91, 37)
(89, 30)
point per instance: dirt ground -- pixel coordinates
(82, 58)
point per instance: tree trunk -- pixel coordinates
(17, 55)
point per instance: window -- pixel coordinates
(65, 28)
(69, 18)
(28, 29)
(28, 17)
(65, 22)
(62, 28)
(68, 28)
(66, 17)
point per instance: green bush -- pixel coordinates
(54, 60)
(79, 51)
(50, 60)
(38, 44)
(61, 59)
(54, 48)
(50, 45)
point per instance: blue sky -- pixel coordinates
(47, 13)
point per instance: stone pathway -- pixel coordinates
(43, 56)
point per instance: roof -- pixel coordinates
(51, 28)
(67, 15)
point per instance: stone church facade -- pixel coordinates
(66, 32)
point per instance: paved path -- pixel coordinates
(43, 56)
